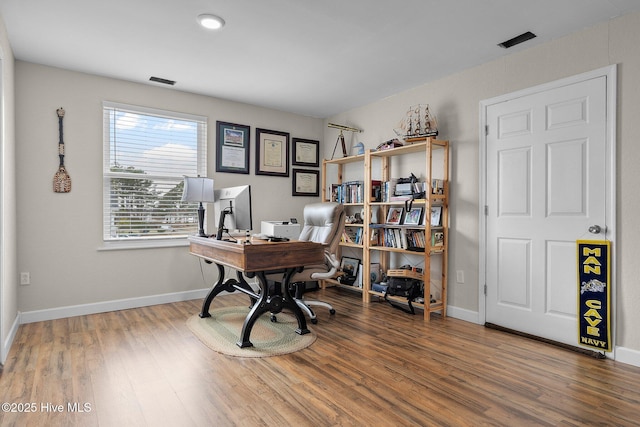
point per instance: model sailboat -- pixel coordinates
(418, 123)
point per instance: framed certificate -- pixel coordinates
(305, 182)
(232, 147)
(272, 152)
(306, 152)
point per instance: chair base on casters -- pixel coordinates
(305, 305)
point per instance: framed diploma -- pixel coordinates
(272, 152)
(305, 182)
(232, 148)
(306, 152)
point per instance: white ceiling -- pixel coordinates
(312, 57)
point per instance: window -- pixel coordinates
(147, 153)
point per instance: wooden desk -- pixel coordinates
(255, 260)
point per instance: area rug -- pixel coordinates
(221, 332)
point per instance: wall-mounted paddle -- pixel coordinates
(61, 180)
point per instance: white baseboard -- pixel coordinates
(628, 356)
(6, 345)
(463, 314)
(106, 306)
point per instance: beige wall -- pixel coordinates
(455, 101)
(59, 234)
(8, 274)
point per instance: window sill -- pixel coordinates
(143, 244)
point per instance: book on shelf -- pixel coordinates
(374, 238)
(399, 198)
(376, 190)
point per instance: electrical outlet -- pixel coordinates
(460, 276)
(25, 278)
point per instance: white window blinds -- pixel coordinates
(147, 153)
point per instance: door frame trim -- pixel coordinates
(610, 73)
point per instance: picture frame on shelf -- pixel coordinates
(335, 193)
(413, 216)
(349, 266)
(305, 182)
(436, 216)
(306, 152)
(232, 147)
(437, 239)
(394, 216)
(272, 153)
(376, 272)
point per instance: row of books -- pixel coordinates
(387, 191)
(409, 239)
(348, 192)
(353, 192)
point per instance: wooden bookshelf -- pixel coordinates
(378, 164)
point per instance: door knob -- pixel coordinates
(595, 229)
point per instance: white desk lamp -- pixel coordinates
(199, 190)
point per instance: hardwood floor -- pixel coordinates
(371, 366)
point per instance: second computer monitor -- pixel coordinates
(233, 209)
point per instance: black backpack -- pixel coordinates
(403, 287)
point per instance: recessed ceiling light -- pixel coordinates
(210, 22)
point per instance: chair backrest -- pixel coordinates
(323, 223)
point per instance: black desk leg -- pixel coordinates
(217, 288)
(261, 306)
(222, 285)
(243, 284)
(290, 303)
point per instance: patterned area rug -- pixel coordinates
(221, 331)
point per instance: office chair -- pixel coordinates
(323, 223)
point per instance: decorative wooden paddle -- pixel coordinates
(61, 180)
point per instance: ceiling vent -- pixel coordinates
(517, 40)
(163, 81)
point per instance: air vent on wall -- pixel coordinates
(517, 40)
(163, 81)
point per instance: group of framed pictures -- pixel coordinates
(413, 216)
(271, 155)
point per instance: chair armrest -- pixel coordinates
(333, 262)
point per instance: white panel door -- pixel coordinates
(546, 185)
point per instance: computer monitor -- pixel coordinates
(233, 209)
